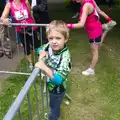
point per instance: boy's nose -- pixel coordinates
(54, 41)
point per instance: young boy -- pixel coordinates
(56, 64)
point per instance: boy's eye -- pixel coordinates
(58, 38)
(50, 38)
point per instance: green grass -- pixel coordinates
(95, 97)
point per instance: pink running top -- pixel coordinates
(21, 15)
(92, 25)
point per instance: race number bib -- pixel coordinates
(21, 15)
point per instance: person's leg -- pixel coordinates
(55, 102)
(25, 39)
(94, 49)
(7, 48)
(18, 39)
(1, 50)
(6, 43)
(35, 43)
(106, 28)
(28, 49)
(103, 36)
(90, 70)
(1, 41)
(44, 37)
(41, 34)
(94, 45)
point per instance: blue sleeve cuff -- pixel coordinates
(38, 50)
(57, 79)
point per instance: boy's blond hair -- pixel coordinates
(59, 26)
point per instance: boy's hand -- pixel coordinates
(40, 65)
(42, 54)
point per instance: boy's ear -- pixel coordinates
(66, 40)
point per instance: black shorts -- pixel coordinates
(96, 40)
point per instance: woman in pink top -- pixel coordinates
(90, 20)
(107, 26)
(21, 13)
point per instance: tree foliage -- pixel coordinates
(117, 2)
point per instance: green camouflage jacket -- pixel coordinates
(59, 62)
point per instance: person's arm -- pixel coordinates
(61, 73)
(5, 14)
(41, 51)
(102, 13)
(41, 64)
(65, 66)
(43, 55)
(42, 48)
(83, 17)
(62, 70)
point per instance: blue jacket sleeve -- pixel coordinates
(38, 50)
(57, 79)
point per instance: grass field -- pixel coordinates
(95, 97)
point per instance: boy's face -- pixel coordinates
(56, 40)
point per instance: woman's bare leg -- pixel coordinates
(95, 53)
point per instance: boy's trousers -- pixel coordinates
(55, 102)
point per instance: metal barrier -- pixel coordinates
(25, 92)
(40, 100)
(17, 51)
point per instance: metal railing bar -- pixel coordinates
(18, 101)
(42, 95)
(8, 29)
(47, 93)
(24, 24)
(29, 106)
(17, 73)
(41, 35)
(33, 51)
(19, 114)
(36, 99)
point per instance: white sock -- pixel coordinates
(90, 69)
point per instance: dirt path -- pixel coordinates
(7, 64)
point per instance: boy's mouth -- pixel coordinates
(54, 46)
